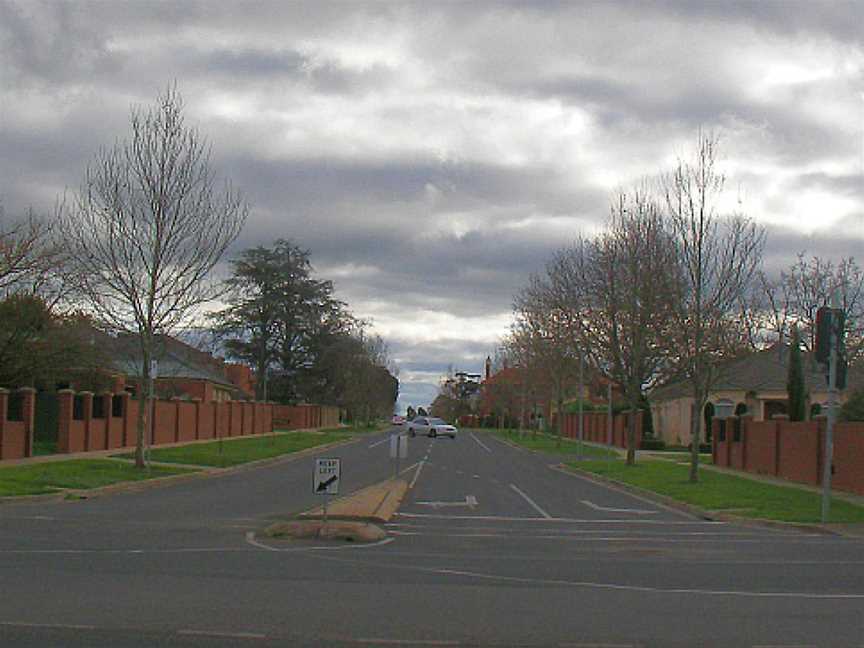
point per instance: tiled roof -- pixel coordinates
(761, 371)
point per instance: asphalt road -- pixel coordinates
(491, 547)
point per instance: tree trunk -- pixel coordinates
(695, 428)
(145, 395)
(633, 399)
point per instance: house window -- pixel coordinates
(721, 431)
(736, 430)
(15, 407)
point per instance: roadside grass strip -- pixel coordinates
(719, 492)
(239, 450)
(78, 474)
(549, 444)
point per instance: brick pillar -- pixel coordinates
(4, 408)
(28, 411)
(64, 420)
(127, 419)
(108, 411)
(88, 416)
(177, 401)
(197, 402)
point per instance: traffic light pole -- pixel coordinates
(828, 454)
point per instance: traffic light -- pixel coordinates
(828, 321)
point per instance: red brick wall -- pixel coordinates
(595, 430)
(186, 420)
(799, 451)
(849, 458)
(164, 422)
(761, 447)
(793, 451)
(207, 420)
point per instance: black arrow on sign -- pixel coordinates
(323, 485)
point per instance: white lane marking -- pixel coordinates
(406, 642)
(230, 635)
(577, 520)
(644, 588)
(409, 468)
(533, 504)
(570, 644)
(67, 626)
(377, 443)
(470, 502)
(417, 474)
(481, 444)
(618, 489)
(250, 538)
(597, 507)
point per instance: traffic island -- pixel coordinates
(340, 530)
(377, 503)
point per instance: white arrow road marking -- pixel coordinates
(533, 504)
(597, 507)
(470, 502)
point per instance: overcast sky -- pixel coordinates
(432, 155)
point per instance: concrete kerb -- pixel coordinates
(510, 443)
(201, 472)
(697, 512)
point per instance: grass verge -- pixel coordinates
(240, 450)
(724, 493)
(548, 443)
(53, 476)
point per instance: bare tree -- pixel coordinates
(147, 228)
(32, 260)
(635, 286)
(719, 257)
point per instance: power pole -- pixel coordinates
(581, 396)
(828, 455)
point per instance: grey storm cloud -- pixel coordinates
(433, 155)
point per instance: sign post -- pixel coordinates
(325, 481)
(398, 450)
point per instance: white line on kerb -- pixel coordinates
(481, 444)
(417, 474)
(232, 635)
(533, 504)
(67, 626)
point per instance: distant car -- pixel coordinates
(431, 427)
(397, 420)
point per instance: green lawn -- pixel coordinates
(50, 477)
(232, 452)
(721, 492)
(549, 443)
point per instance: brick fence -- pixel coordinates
(791, 450)
(88, 421)
(16, 422)
(595, 428)
(295, 417)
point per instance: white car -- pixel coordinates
(431, 427)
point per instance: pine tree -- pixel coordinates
(795, 381)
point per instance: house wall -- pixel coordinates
(792, 451)
(595, 428)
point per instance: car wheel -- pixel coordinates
(411, 432)
(432, 434)
(453, 436)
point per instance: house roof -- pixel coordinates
(175, 360)
(765, 370)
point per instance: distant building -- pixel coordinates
(754, 384)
